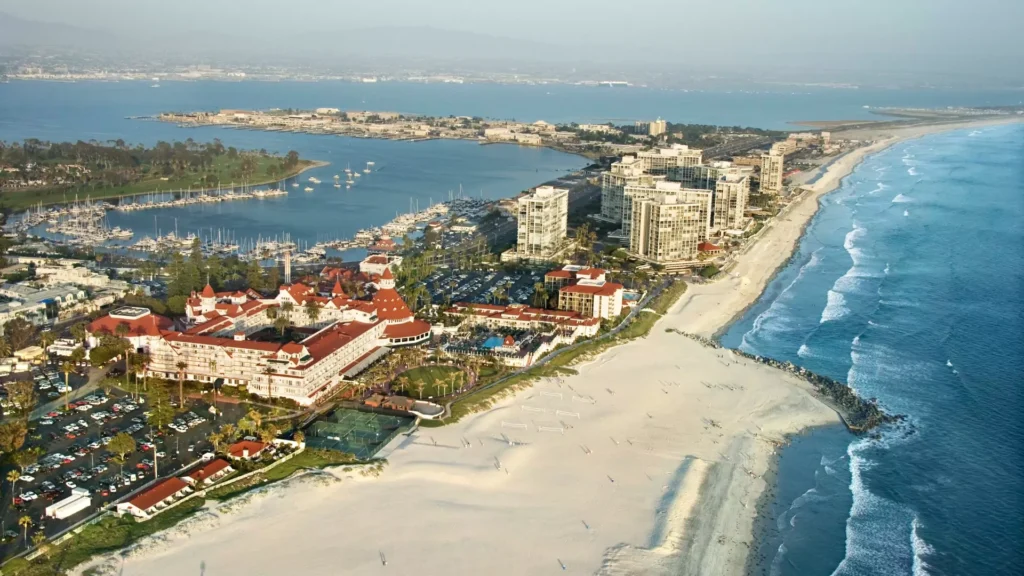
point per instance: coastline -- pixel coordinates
(689, 424)
(311, 165)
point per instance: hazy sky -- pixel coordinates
(954, 33)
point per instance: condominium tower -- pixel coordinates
(633, 195)
(771, 173)
(542, 225)
(666, 229)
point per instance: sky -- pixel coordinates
(941, 34)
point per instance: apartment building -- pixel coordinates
(732, 191)
(660, 160)
(657, 128)
(542, 215)
(666, 229)
(626, 172)
(771, 173)
(634, 194)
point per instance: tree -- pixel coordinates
(216, 439)
(181, 366)
(419, 387)
(39, 541)
(122, 330)
(161, 413)
(312, 311)
(5, 347)
(299, 437)
(267, 434)
(281, 324)
(401, 382)
(19, 333)
(23, 394)
(13, 476)
(230, 432)
(12, 436)
(246, 426)
(46, 338)
(540, 295)
(256, 417)
(121, 444)
(26, 457)
(67, 368)
(25, 522)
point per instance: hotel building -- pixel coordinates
(633, 194)
(585, 291)
(667, 229)
(771, 173)
(229, 338)
(542, 215)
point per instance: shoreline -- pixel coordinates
(312, 164)
(688, 421)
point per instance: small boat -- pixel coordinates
(314, 180)
(357, 174)
(336, 185)
(336, 177)
(369, 167)
(348, 186)
(295, 184)
(308, 188)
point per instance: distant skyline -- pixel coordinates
(943, 37)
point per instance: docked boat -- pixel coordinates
(308, 188)
(336, 185)
(369, 167)
(314, 180)
(295, 184)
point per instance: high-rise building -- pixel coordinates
(635, 194)
(627, 171)
(732, 190)
(659, 160)
(771, 173)
(667, 230)
(542, 225)
(657, 128)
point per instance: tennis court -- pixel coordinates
(356, 432)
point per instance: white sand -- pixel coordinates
(649, 461)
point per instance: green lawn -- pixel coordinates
(432, 378)
(224, 169)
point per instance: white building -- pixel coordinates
(771, 173)
(666, 229)
(543, 216)
(633, 194)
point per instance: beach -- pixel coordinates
(651, 460)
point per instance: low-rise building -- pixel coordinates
(246, 450)
(585, 291)
(209, 473)
(154, 500)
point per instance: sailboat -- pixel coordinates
(369, 167)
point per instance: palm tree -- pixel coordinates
(229, 431)
(269, 373)
(121, 331)
(256, 417)
(25, 522)
(287, 308)
(213, 377)
(456, 376)
(181, 366)
(78, 332)
(281, 323)
(216, 439)
(5, 347)
(401, 382)
(12, 477)
(312, 311)
(46, 338)
(67, 368)
(419, 387)
(299, 437)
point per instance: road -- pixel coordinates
(737, 146)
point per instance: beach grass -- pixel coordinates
(224, 170)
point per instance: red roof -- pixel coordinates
(390, 305)
(149, 325)
(606, 289)
(337, 288)
(387, 275)
(559, 274)
(158, 493)
(510, 341)
(377, 259)
(708, 247)
(209, 470)
(591, 273)
(238, 449)
(208, 292)
(410, 329)
(222, 342)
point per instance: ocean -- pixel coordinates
(909, 285)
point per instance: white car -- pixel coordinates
(71, 484)
(29, 496)
(45, 422)
(44, 386)
(26, 478)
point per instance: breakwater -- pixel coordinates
(860, 415)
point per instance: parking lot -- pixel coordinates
(480, 287)
(74, 454)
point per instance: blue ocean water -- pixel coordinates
(908, 284)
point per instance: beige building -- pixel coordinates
(732, 190)
(586, 291)
(635, 194)
(626, 172)
(542, 215)
(657, 128)
(659, 160)
(771, 173)
(666, 230)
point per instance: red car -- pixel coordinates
(52, 414)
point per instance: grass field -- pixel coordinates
(224, 170)
(436, 380)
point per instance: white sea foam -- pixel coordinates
(830, 471)
(776, 318)
(804, 351)
(886, 271)
(901, 198)
(949, 363)
(912, 171)
(880, 187)
(921, 549)
(906, 213)
(835, 308)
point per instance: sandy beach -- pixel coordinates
(651, 460)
